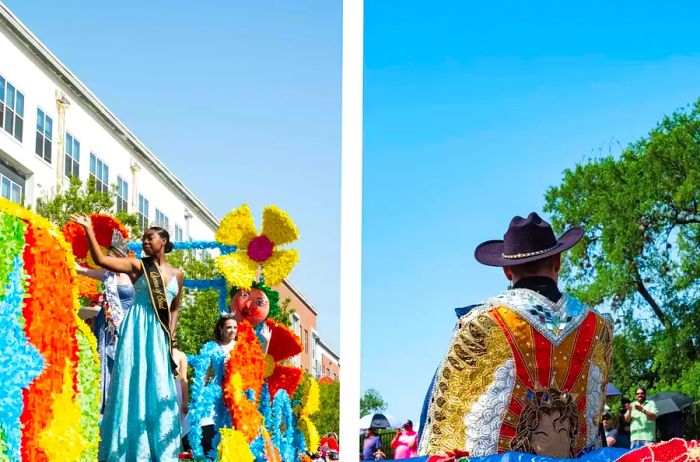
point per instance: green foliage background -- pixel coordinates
(639, 257)
(371, 401)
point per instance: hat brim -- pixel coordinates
(490, 253)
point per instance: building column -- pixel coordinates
(62, 104)
(135, 168)
(188, 217)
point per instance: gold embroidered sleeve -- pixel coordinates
(477, 348)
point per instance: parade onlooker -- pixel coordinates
(405, 443)
(328, 446)
(642, 418)
(610, 430)
(371, 445)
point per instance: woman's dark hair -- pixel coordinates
(165, 235)
(220, 325)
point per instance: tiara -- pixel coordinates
(118, 242)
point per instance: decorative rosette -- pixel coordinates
(284, 344)
(103, 226)
(257, 251)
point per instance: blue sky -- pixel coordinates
(241, 100)
(471, 111)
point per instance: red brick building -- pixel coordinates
(316, 357)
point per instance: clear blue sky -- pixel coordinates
(241, 100)
(471, 112)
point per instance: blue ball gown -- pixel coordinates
(141, 419)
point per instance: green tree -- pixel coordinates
(327, 419)
(371, 401)
(285, 313)
(639, 252)
(58, 206)
(199, 309)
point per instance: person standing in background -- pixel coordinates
(642, 419)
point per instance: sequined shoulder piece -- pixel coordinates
(553, 320)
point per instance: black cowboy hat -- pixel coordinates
(527, 239)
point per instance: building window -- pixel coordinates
(11, 109)
(72, 156)
(178, 233)
(306, 341)
(143, 212)
(162, 220)
(11, 190)
(44, 130)
(122, 195)
(99, 171)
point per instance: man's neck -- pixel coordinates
(541, 284)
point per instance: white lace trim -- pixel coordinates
(485, 417)
(594, 403)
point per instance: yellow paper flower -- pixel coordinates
(62, 439)
(257, 251)
(311, 400)
(234, 447)
(309, 406)
(308, 429)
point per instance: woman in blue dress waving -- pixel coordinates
(141, 415)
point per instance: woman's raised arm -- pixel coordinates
(127, 265)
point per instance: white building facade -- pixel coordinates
(53, 127)
(326, 361)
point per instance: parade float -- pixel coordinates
(49, 407)
(49, 410)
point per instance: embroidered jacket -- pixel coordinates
(522, 373)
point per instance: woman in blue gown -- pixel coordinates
(141, 419)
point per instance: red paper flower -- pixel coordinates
(284, 344)
(103, 226)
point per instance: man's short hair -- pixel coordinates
(533, 267)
